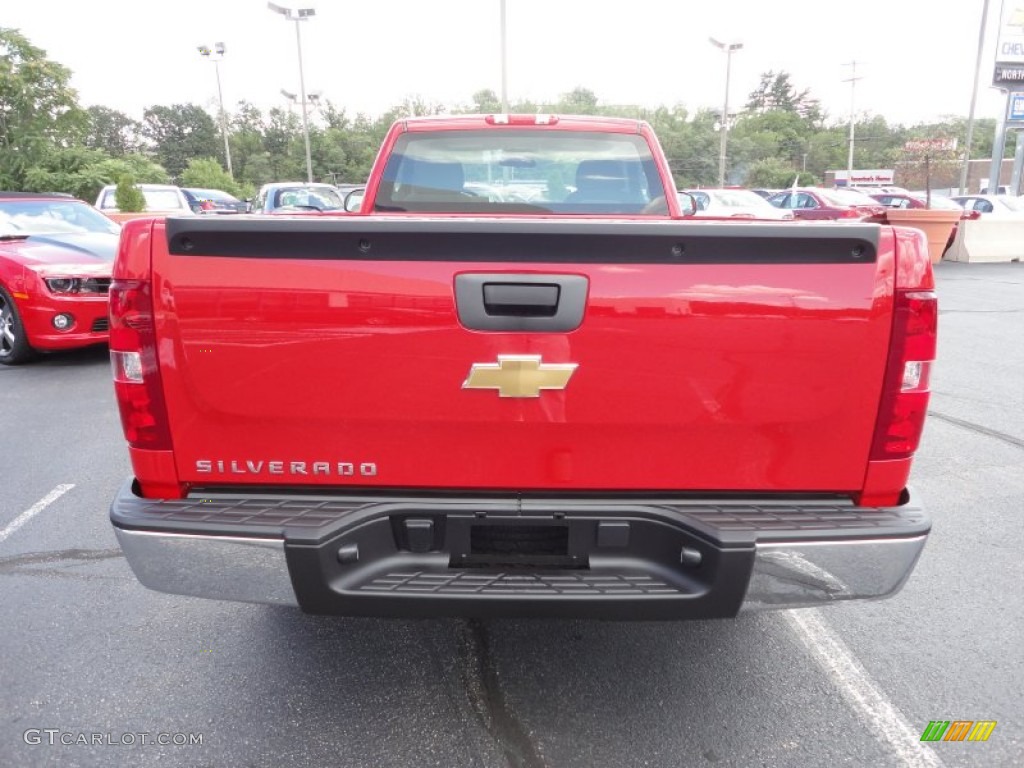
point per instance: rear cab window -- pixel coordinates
(521, 171)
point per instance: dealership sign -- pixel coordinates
(872, 176)
(1015, 113)
(1010, 48)
(1008, 76)
(930, 145)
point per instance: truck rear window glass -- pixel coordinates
(521, 171)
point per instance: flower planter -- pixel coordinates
(937, 226)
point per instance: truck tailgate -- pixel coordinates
(708, 356)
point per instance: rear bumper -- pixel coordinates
(515, 556)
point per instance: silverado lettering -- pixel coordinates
(235, 467)
(589, 403)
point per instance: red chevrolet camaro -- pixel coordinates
(55, 260)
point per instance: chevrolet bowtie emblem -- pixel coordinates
(519, 375)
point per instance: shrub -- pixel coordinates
(129, 197)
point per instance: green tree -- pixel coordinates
(38, 108)
(112, 131)
(773, 173)
(775, 93)
(129, 197)
(928, 162)
(692, 149)
(284, 147)
(207, 173)
(578, 101)
(75, 170)
(775, 133)
(249, 157)
(140, 167)
(486, 102)
(179, 133)
(82, 172)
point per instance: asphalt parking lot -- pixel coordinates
(87, 650)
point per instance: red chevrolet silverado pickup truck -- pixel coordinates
(521, 382)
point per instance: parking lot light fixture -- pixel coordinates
(293, 99)
(299, 15)
(216, 55)
(728, 48)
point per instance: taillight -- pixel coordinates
(905, 396)
(850, 213)
(140, 396)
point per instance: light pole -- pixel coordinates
(297, 15)
(728, 48)
(504, 63)
(852, 80)
(216, 56)
(974, 99)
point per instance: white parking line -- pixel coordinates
(35, 509)
(857, 687)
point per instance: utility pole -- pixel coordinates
(974, 99)
(852, 80)
(722, 143)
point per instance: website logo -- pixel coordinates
(958, 730)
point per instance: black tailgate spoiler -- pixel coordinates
(584, 241)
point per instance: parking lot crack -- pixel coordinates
(994, 433)
(15, 563)
(483, 688)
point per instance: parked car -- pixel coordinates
(213, 201)
(907, 200)
(916, 200)
(765, 193)
(56, 255)
(872, 191)
(354, 200)
(344, 189)
(297, 197)
(351, 195)
(992, 205)
(735, 204)
(160, 198)
(817, 203)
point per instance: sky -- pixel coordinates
(916, 57)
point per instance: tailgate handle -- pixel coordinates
(517, 302)
(521, 299)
